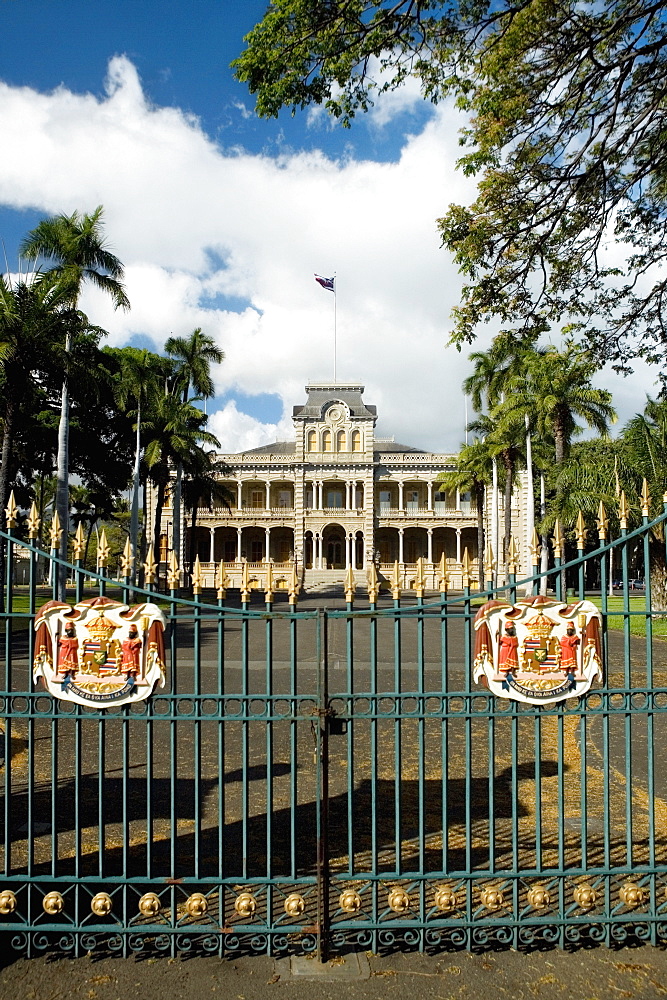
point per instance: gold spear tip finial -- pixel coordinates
(558, 540)
(173, 574)
(465, 566)
(245, 582)
(78, 544)
(534, 548)
(56, 531)
(33, 521)
(373, 583)
(512, 555)
(268, 587)
(197, 577)
(103, 549)
(221, 581)
(602, 522)
(127, 558)
(581, 531)
(11, 510)
(396, 582)
(294, 585)
(646, 499)
(350, 585)
(623, 510)
(489, 561)
(150, 566)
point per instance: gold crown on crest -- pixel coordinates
(101, 628)
(539, 627)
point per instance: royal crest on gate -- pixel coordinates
(99, 652)
(538, 650)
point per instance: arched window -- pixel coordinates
(356, 441)
(341, 441)
(312, 441)
(326, 440)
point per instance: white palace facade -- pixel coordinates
(336, 496)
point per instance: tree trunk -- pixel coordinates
(62, 485)
(658, 574)
(4, 489)
(509, 477)
(544, 554)
(479, 496)
(134, 518)
(176, 508)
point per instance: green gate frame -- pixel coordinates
(317, 780)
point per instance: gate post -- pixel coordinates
(322, 765)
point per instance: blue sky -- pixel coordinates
(222, 218)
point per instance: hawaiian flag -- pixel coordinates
(327, 283)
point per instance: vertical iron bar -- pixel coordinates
(196, 690)
(398, 755)
(322, 779)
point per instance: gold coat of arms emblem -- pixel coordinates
(99, 652)
(538, 650)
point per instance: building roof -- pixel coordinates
(319, 394)
(275, 448)
(388, 446)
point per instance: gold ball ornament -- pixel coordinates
(197, 904)
(294, 905)
(398, 901)
(539, 897)
(53, 903)
(445, 898)
(245, 904)
(585, 896)
(101, 904)
(632, 894)
(149, 904)
(350, 901)
(492, 898)
(7, 902)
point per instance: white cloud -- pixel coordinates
(239, 432)
(176, 205)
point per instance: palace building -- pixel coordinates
(336, 496)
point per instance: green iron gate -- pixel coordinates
(315, 780)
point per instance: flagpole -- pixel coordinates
(335, 321)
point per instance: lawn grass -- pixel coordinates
(637, 616)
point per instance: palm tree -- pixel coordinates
(472, 473)
(176, 432)
(75, 247)
(193, 358)
(556, 387)
(503, 441)
(140, 377)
